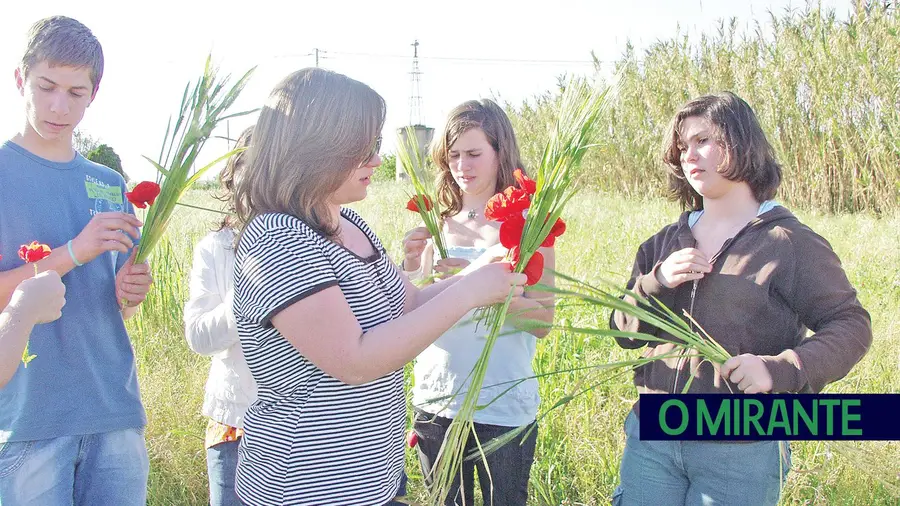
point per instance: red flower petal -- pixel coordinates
(511, 231)
(535, 268)
(509, 202)
(143, 194)
(559, 228)
(413, 204)
(525, 183)
(493, 210)
(34, 252)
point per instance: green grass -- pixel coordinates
(579, 447)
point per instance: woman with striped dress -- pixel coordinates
(325, 318)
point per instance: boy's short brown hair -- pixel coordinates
(60, 40)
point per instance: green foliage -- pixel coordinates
(202, 109)
(105, 155)
(825, 92)
(412, 160)
(83, 142)
(387, 170)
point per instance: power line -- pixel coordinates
(467, 60)
(321, 54)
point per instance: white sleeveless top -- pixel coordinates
(444, 366)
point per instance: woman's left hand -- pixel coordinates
(749, 372)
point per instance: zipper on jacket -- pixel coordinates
(696, 283)
(682, 355)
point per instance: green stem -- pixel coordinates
(201, 208)
(27, 357)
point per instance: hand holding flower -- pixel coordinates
(413, 245)
(133, 282)
(33, 253)
(39, 299)
(491, 284)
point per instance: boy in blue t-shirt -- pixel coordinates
(71, 423)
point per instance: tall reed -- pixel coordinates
(826, 91)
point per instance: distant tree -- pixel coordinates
(104, 155)
(83, 142)
(385, 171)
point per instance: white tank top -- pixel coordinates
(443, 369)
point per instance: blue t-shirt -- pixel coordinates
(84, 378)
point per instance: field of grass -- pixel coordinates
(823, 85)
(579, 447)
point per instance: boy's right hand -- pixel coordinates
(106, 232)
(40, 299)
(413, 245)
(491, 284)
(683, 265)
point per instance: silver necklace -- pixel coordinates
(473, 214)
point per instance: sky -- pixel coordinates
(507, 50)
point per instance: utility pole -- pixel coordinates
(316, 50)
(415, 96)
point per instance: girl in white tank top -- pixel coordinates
(477, 154)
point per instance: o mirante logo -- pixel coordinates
(768, 417)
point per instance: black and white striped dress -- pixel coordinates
(309, 438)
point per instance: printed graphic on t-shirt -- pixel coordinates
(106, 197)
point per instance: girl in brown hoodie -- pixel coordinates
(756, 279)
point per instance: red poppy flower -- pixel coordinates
(535, 268)
(413, 204)
(143, 195)
(525, 183)
(511, 231)
(510, 202)
(34, 252)
(559, 228)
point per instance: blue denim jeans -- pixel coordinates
(221, 464)
(401, 491)
(105, 468)
(695, 473)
